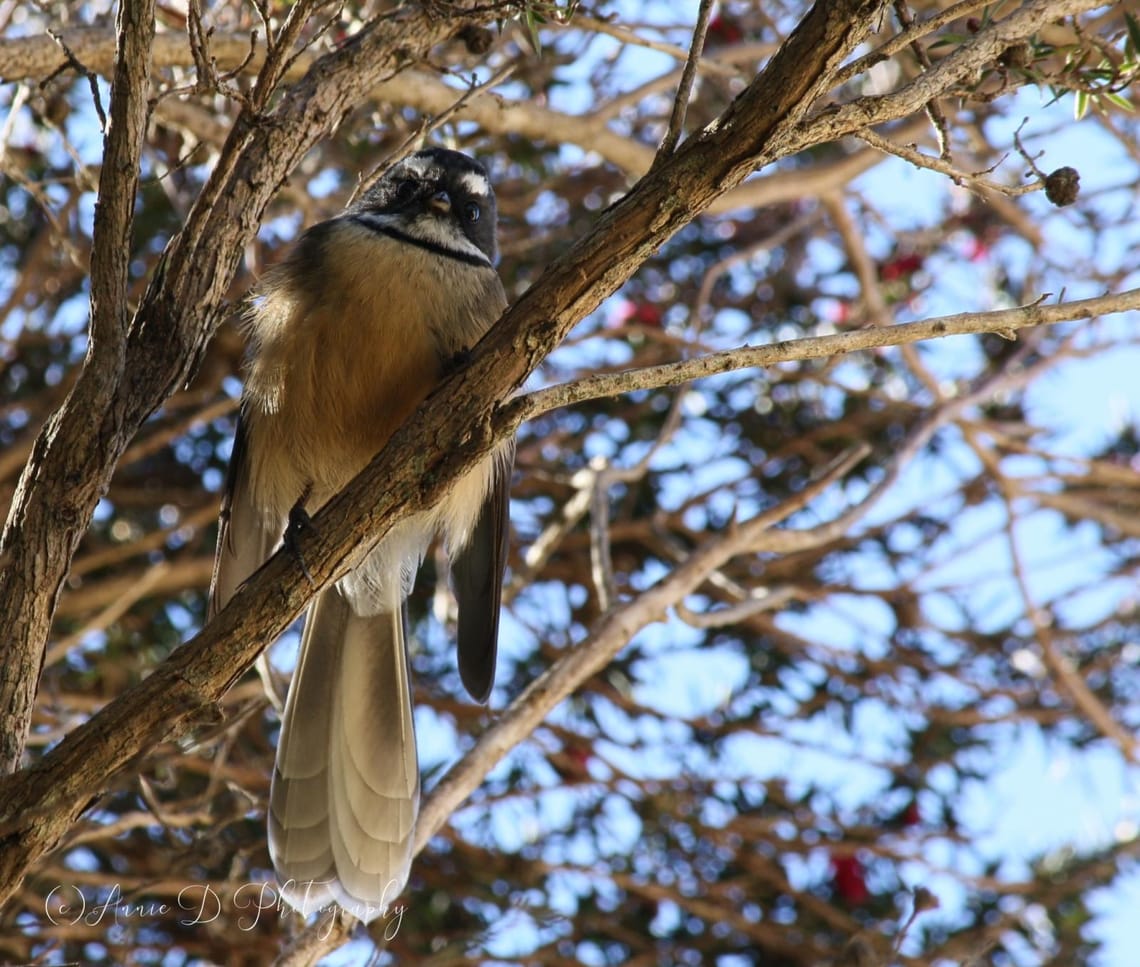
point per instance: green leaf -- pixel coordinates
(1120, 100)
(1081, 105)
(1133, 34)
(532, 20)
(951, 38)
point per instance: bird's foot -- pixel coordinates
(300, 523)
(456, 361)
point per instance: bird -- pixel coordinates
(347, 336)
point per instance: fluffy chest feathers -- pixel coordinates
(351, 336)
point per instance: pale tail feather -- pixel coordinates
(346, 784)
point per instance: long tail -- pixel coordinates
(345, 792)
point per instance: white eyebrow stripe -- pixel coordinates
(475, 183)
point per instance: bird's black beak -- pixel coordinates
(441, 202)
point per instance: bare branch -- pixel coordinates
(428, 94)
(685, 87)
(918, 159)
(589, 657)
(816, 347)
(962, 64)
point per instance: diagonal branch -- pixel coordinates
(966, 62)
(615, 630)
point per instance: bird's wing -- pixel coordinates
(477, 579)
(245, 537)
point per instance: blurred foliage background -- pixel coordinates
(910, 740)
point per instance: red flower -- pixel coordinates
(900, 267)
(723, 32)
(638, 314)
(849, 880)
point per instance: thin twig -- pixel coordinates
(815, 347)
(628, 36)
(933, 111)
(108, 616)
(685, 88)
(83, 71)
(543, 546)
(762, 599)
(867, 274)
(1067, 678)
(963, 178)
(906, 38)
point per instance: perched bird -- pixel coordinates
(347, 336)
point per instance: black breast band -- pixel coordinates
(374, 224)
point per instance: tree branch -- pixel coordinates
(613, 633)
(964, 63)
(816, 347)
(38, 540)
(685, 87)
(974, 180)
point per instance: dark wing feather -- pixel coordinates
(244, 540)
(477, 578)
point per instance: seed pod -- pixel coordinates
(1063, 186)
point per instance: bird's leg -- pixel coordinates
(299, 523)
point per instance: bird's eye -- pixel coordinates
(405, 190)
(471, 212)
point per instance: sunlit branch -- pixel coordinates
(1001, 321)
